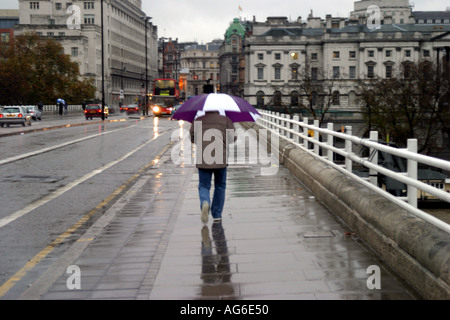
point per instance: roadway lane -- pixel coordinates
(49, 180)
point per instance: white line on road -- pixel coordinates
(34, 153)
(18, 214)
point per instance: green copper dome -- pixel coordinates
(235, 28)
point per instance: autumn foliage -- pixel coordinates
(36, 69)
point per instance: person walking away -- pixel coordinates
(211, 133)
(61, 106)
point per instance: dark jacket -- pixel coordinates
(216, 133)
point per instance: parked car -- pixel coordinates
(15, 115)
(34, 112)
(132, 109)
(95, 110)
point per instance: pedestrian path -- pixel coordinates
(276, 241)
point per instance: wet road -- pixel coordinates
(51, 180)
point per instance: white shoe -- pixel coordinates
(205, 211)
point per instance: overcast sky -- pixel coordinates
(206, 20)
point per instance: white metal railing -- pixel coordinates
(296, 133)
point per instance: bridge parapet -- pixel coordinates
(415, 244)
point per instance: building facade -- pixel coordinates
(201, 64)
(281, 55)
(8, 20)
(77, 26)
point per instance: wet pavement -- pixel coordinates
(276, 241)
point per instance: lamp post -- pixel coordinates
(145, 109)
(103, 65)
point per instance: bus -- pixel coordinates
(166, 95)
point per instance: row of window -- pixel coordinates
(88, 5)
(295, 98)
(335, 75)
(351, 54)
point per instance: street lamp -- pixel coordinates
(145, 110)
(103, 66)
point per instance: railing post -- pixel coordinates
(373, 158)
(305, 133)
(412, 173)
(278, 123)
(348, 149)
(296, 129)
(283, 125)
(330, 140)
(316, 137)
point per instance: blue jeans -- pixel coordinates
(220, 184)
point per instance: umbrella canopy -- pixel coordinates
(235, 108)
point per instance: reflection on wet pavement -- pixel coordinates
(216, 273)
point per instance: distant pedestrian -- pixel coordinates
(61, 107)
(65, 107)
(40, 106)
(212, 133)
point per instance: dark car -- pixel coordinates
(95, 110)
(132, 109)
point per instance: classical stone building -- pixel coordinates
(77, 26)
(282, 55)
(201, 64)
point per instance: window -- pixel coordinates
(294, 98)
(407, 53)
(294, 73)
(58, 6)
(260, 73)
(370, 71)
(371, 53)
(314, 56)
(34, 5)
(352, 54)
(277, 56)
(277, 73)
(277, 98)
(89, 19)
(352, 72)
(426, 53)
(294, 56)
(74, 51)
(89, 5)
(336, 54)
(388, 53)
(314, 73)
(336, 73)
(336, 98)
(260, 56)
(5, 37)
(260, 98)
(388, 72)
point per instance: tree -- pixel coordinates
(413, 103)
(36, 69)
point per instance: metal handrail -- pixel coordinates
(277, 123)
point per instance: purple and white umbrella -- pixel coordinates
(235, 108)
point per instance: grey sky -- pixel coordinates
(205, 20)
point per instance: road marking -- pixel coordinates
(46, 251)
(20, 213)
(34, 153)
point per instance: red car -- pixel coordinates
(95, 110)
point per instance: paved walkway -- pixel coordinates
(276, 241)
